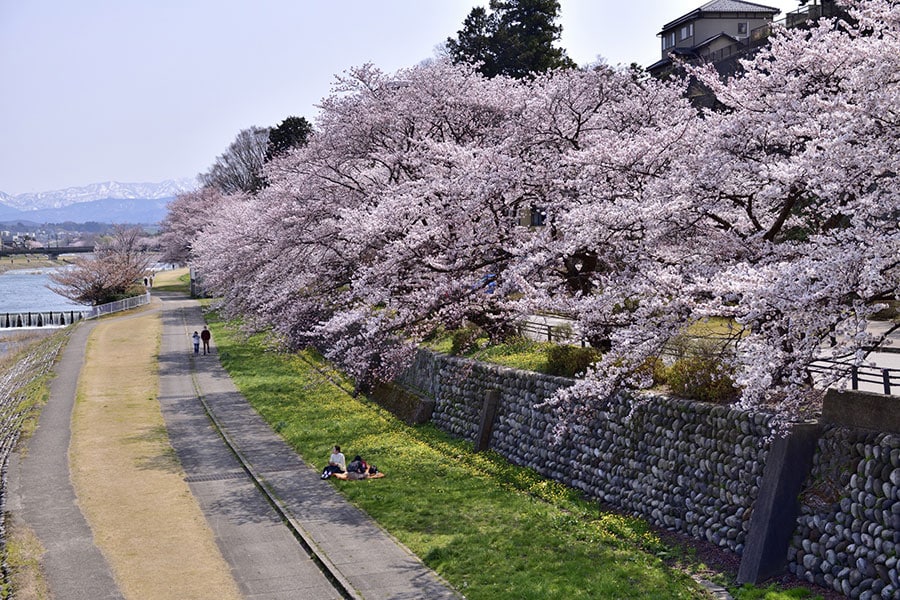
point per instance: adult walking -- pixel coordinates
(204, 336)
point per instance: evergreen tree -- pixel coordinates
(516, 39)
(290, 133)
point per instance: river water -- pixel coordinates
(25, 290)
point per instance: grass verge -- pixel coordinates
(127, 478)
(772, 592)
(491, 529)
(23, 560)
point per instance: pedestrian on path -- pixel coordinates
(205, 335)
(196, 338)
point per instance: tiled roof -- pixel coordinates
(735, 6)
(722, 6)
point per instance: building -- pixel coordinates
(719, 32)
(722, 31)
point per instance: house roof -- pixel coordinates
(722, 6)
(691, 52)
(711, 39)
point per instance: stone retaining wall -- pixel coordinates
(848, 533)
(691, 467)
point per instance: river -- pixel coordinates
(25, 290)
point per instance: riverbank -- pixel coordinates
(29, 261)
(11, 340)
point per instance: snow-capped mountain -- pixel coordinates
(97, 191)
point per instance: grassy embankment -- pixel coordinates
(28, 261)
(175, 280)
(491, 529)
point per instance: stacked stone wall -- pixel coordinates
(691, 467)
(848, 532)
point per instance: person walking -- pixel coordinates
(196, 340)
(205, 335)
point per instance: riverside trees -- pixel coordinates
(403, 213)
(117, 266)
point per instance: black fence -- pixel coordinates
(887, 378)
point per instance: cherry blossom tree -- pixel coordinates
(782, 213)
(403, 213)
(186, 218)
(392, 220)
(111, 274)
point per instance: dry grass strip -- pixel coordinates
(24, 552)
(127, 478)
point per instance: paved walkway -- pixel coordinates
(887, 356)
(261, 530)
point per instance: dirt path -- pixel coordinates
(129, 483)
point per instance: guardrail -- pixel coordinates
(545, 332)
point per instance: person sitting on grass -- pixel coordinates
(336, 463)
(359, 469)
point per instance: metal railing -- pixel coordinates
(888, 379)
(118, 306)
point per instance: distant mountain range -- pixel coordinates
(110, 202)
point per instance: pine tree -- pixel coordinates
(516, 39)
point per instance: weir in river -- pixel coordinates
(41, 319)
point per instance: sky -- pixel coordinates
(145, 91)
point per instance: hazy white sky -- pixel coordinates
(137, 90)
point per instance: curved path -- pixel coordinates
(41, 494)
(263, 503)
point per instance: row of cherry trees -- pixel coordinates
(403, 213)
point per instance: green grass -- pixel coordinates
(182, 284)
(491, 529)
(714, 326)
(517, 353)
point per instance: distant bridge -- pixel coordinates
(52, 251)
